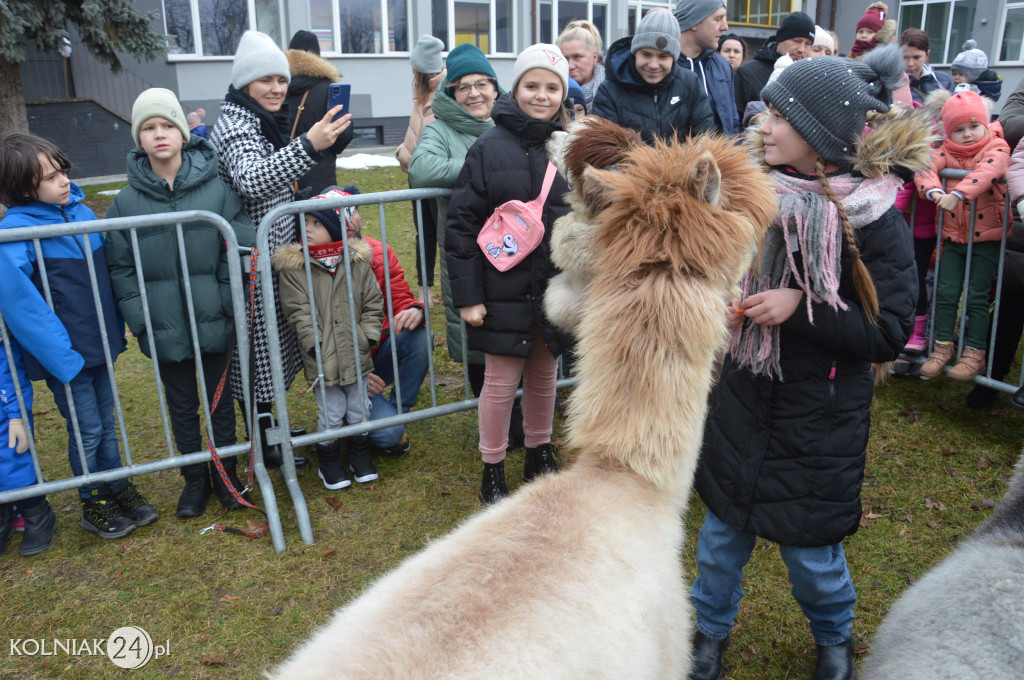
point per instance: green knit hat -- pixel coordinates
(464, 60)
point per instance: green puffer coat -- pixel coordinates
(436, 162)
(333, 316)
(196, 187)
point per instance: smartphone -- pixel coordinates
(339, 93)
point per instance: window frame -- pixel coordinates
(924, 4)
(492, 34)
(1002, 35)
(197, 33)
(538, 29)
(385, 32)
(794, 6)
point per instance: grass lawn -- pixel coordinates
(229, 607)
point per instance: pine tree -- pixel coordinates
(105, 26)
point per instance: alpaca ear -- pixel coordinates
(706, 180)
(597, 182)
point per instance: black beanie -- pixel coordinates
(330, 217)
(796, 25)
(305, 41)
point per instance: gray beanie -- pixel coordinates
(426, 56)
(258, 56)
(972, 62)
(689, 13)
(542, 55)
(826, 99)
(157, 102)
(659, 31)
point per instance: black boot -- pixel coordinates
(707, 657)
(359, 461)
(300, 461)
(224, 495)
(1017, 400)
(134, 506)
(493, 487)
(539, 461)
(101, 516)
(271, 453)
(6, 525)
(40, 528)
(331, 473)
(835, 662)
(192, 502)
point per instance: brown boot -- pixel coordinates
(940, 356)
(971, 362)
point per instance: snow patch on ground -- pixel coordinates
(364, 161)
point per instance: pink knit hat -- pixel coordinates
(963, 107)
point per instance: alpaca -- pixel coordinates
(965, 618)
(578, 574)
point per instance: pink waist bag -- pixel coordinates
(515, 229)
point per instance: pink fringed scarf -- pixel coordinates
(806, 221)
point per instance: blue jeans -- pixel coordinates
(821, 582)
(94, 407)
(414, 349)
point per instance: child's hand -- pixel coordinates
(326, 131)
(948, 202)
(736, 313)
(772, 307)
(474, 314)
(17, 437)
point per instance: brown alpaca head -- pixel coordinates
(594, 143)
(696, 207)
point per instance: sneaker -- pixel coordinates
(134, 506)
(941, 355)
(330, 472)
(359, 461)
(972, 361)
(399, 449)
(102, 516)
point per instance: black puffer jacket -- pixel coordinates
(785, 459)
(751, 77)
(314, 75)
(508, 162)
(675, 107)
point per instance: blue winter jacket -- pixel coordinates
(16, 469)
(715, 74)
(61, 341)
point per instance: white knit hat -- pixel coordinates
(157, 102)
(824, 38)
(258, 56)
(542, 55)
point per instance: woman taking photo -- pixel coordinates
(504, 309)
(260, 164)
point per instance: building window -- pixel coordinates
(641, 8)
(760, 12)
(1011, 47)
(212, 28)
(555, 15)
(947, 22)
(360, 26)
(488, 24)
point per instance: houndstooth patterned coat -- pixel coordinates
(263, 178)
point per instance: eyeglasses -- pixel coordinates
(480, 86)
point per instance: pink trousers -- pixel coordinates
(501, 380)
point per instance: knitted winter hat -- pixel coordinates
(258, 56)
(780, 65)
(575, 94)
(659, 31)
(330, 217)
(826, 99)
(462, 61)
(824, 38)
(874, 17)
(689, 13)
(158, 102)
(305, 41)
(426, 56)
(972, 62)
(963, 107)
(546, 56)
(796, 25)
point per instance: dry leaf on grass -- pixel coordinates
(228, 599)
(334, 502)
(210, 660)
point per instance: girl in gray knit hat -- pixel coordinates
(834, 292)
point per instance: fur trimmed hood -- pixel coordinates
(289, 256)
(307, 64)
(899, 141)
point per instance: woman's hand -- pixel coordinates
(772, 307)
(325, 131)
(474, 314)
(735, 313)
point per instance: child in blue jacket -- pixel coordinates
(51, 310)
(16, 470)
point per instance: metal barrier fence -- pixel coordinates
(281, 433)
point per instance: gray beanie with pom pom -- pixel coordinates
(827, 99)
(972, 62)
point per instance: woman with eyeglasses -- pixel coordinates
(462, 111)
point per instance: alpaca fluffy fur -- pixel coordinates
(578, 574)
(965, 618)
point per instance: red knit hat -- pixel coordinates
(873, 18)
(963, 107)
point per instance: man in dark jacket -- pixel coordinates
(307, 101)
(645, 89)
(794, 37)
(702, 23)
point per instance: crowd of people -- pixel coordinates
(840, 283)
